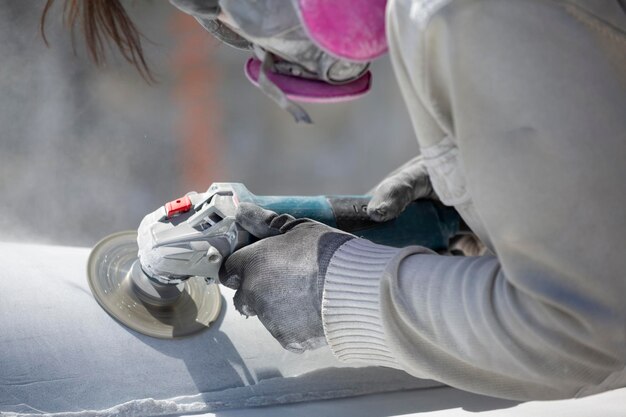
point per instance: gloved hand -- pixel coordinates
(280, 278)
(401, 187)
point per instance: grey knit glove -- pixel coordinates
(401, 187)
(280, 278)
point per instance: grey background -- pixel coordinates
(87, 151)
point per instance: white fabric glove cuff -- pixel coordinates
(351, 303)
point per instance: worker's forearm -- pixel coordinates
(519, 109)
(460, 321)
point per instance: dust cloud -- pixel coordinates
(87, 151)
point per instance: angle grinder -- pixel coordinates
(162, 279)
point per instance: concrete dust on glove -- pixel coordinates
(280, 278)
(406, 184)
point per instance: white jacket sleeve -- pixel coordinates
(533, 92)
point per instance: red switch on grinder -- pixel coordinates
(178, 206)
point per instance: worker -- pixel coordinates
(519, 108)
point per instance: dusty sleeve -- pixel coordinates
(534, 93)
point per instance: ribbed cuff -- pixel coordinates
(351, 303)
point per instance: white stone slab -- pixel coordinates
(442, 402)
(61, 353)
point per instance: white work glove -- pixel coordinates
(399, 189)
(405, 185)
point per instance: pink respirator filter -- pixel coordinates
(311, 91)
(347, 29)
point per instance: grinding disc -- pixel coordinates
(164, 311)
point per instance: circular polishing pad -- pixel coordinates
(128, 295)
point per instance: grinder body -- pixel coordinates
(160, 280)
(193, 235)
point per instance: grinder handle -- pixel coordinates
(424, 222)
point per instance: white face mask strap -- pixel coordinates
(272, 91)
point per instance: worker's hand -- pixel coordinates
(399, 189)
(280, 278)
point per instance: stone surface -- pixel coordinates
(62, 353)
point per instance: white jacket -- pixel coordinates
(520, 110)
